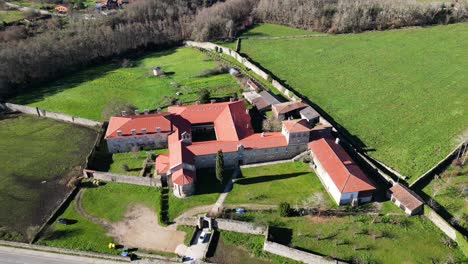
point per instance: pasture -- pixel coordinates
(400, 94)
(39, 157)
(86, 93)
(361, 239)
(8, 16)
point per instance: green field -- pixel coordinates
(396, 239)
(10, 15)
(272, 184)
(38, 158)
(86, 93)
(403, 93)
(448, 191)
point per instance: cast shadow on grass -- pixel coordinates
(61, 234)
(261, 179)
(214, 244)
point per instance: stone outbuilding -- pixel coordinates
(287, 110)
(157, 71)
(406, 199)
(310, 115)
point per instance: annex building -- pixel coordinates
(193, 135)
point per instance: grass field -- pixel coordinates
(292, 182)
(397, 239)
(403, 93)
(10, 15)
(87, 92)
(38, 158)
(83, 235)
(448, 191)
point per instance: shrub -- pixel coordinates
(114, 108)
(125, 167)
(284, 209)
(213, 71)
(204, 96)
(271, 124)
(126, 63)
(220, 166)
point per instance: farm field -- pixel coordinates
(86, 93)
(10, 15)
(449, 191)
(352, 237)
(272, 184)
(36, 167)
(389, 89)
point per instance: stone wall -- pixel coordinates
(148, 141)
(295, 254)
(54, 115)
(440, 223)
(112, 177)
(240, 227)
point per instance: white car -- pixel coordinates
(202, 237)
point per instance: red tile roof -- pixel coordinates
(162, 163)
(406, 196)
(137, 122)
(346, 175)
(284, 108)
(182, 176)
(296, 125)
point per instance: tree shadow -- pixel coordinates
(280, 235)
(208, 183)
(61, 234)
(260, 179)
(214, 244)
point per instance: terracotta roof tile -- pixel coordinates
(182, 176)
(284, 108)
(406, 196)
(296, 125)
(137, 122)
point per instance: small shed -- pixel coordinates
(310, 115)
(287, 110)
(270, 98)
(251, 85)
(233, 72)
(61, 9)
(157, 71)
(250, 96)
(406, 199)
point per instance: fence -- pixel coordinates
(54, 115)
(240, 227)
(113, 177)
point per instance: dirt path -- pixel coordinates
(139, 228)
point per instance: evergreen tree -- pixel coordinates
(220, 166)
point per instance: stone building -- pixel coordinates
(287, 110)
(406, 199)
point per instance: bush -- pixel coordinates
(271, 124)
(115, 108)
(213, 71)
(125, 167)
(284, 209)
(204, 96)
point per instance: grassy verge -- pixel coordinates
(87, 92)
(189, 230)
(386, 88)
(38, 157)
(358, 238)
(273, 184)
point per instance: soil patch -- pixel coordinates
(321, 219)
(140, 229)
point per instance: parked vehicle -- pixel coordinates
(203, 237)
(240, 210)
(63, 221)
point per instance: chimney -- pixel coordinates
(143, 131)
(213, 101)
(337, 141)
(158, 130)
(197, 102)
(137, 112)
(119, 133)
(231, 99)
(158, 110)
(133, 131)
(247, 111)
(263, 134)
(146, 111)
(124, 113)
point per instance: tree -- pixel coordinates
(204, 96)
(220, 166)
(115, 107)
(284, 209)
(271, 124)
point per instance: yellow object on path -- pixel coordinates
(111, 246)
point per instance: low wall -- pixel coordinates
(63, 251)
(112, 177)
(54, 115)
(188, 221)
(239, 227)
(440, 223)
(295, 254)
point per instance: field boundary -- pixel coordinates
(63, 251)
(289, 37)
(50, 114)
(121, 178)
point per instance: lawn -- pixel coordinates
(448, 191)
(111, 201)
(86, 93)
(39, 157)
(292, 182)
(82, 235)
(403, 93)
(10, 15)
(398, 239)
(273, 30)
(207, 192)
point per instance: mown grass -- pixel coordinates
(10, 15)
(87, 92)
(207, 192)
(292, 182)
(37, 159)
(111, 200)
(448, 191)
(401, 92)
(398, 239)
(83, 235)
(189, 230)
